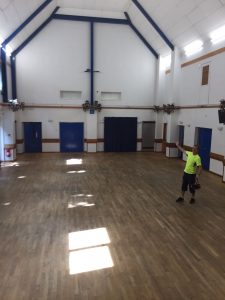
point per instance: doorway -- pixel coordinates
(148, 135)
(71, 137)
(204, 142)
(32, 137)
(164, 138)
(120, 134)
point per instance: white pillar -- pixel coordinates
(9, 139)
(91, 131)
(173, 97)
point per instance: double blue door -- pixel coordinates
(120, 134)
(32, 137)
(204, 141)
(71, 137)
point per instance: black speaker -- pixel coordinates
(221, 114)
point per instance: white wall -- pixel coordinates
(56, 60)
(126, 65)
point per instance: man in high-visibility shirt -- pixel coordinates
(192, 171)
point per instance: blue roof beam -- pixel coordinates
(27, 21)
(153, 23)
(141, 36)
(15, 52)
(90, 19)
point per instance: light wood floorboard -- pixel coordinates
(160, 249)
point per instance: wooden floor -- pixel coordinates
(159, 249)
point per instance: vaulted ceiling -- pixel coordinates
(182, 21)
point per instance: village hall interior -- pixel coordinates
(110, 110)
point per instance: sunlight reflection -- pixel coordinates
(20, 177)
(6, 203)
(74, 161)
(89, 260)
(9, 164)
(88, 238)
(79, 172)
(85, 204)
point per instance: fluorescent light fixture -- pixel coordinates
(193, 47)
(218, 35)
(166, 62)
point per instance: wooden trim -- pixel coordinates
(167, 72)
(101, 140)
(158, 141)
(128, 107)
(91, 141)
(50, 141)
(53, 106)
(171, 145)
(218, 157)
(9, 146)
(198, 106)
(19, 141)
(196, 60)
(187, 148)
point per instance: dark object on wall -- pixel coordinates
(120, 134)
(221, 114)
(168, 108)
(205, 75)
(88, 106)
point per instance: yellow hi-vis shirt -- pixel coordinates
(193, 161)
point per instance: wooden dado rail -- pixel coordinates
(9, 146)
(116, 107)
(53, 141)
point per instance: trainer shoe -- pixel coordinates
(180, 199)
(192, 201)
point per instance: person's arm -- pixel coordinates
(180, 148)
(199, 171)
(199, 167)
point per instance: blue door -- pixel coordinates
(71, 137)
(32, 137)
(204, 141)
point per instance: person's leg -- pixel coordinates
(192, 188)
(183, 189)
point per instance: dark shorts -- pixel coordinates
(189, 181)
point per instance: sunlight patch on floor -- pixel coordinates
(88, 238)
(90, 260)
(74, 161)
